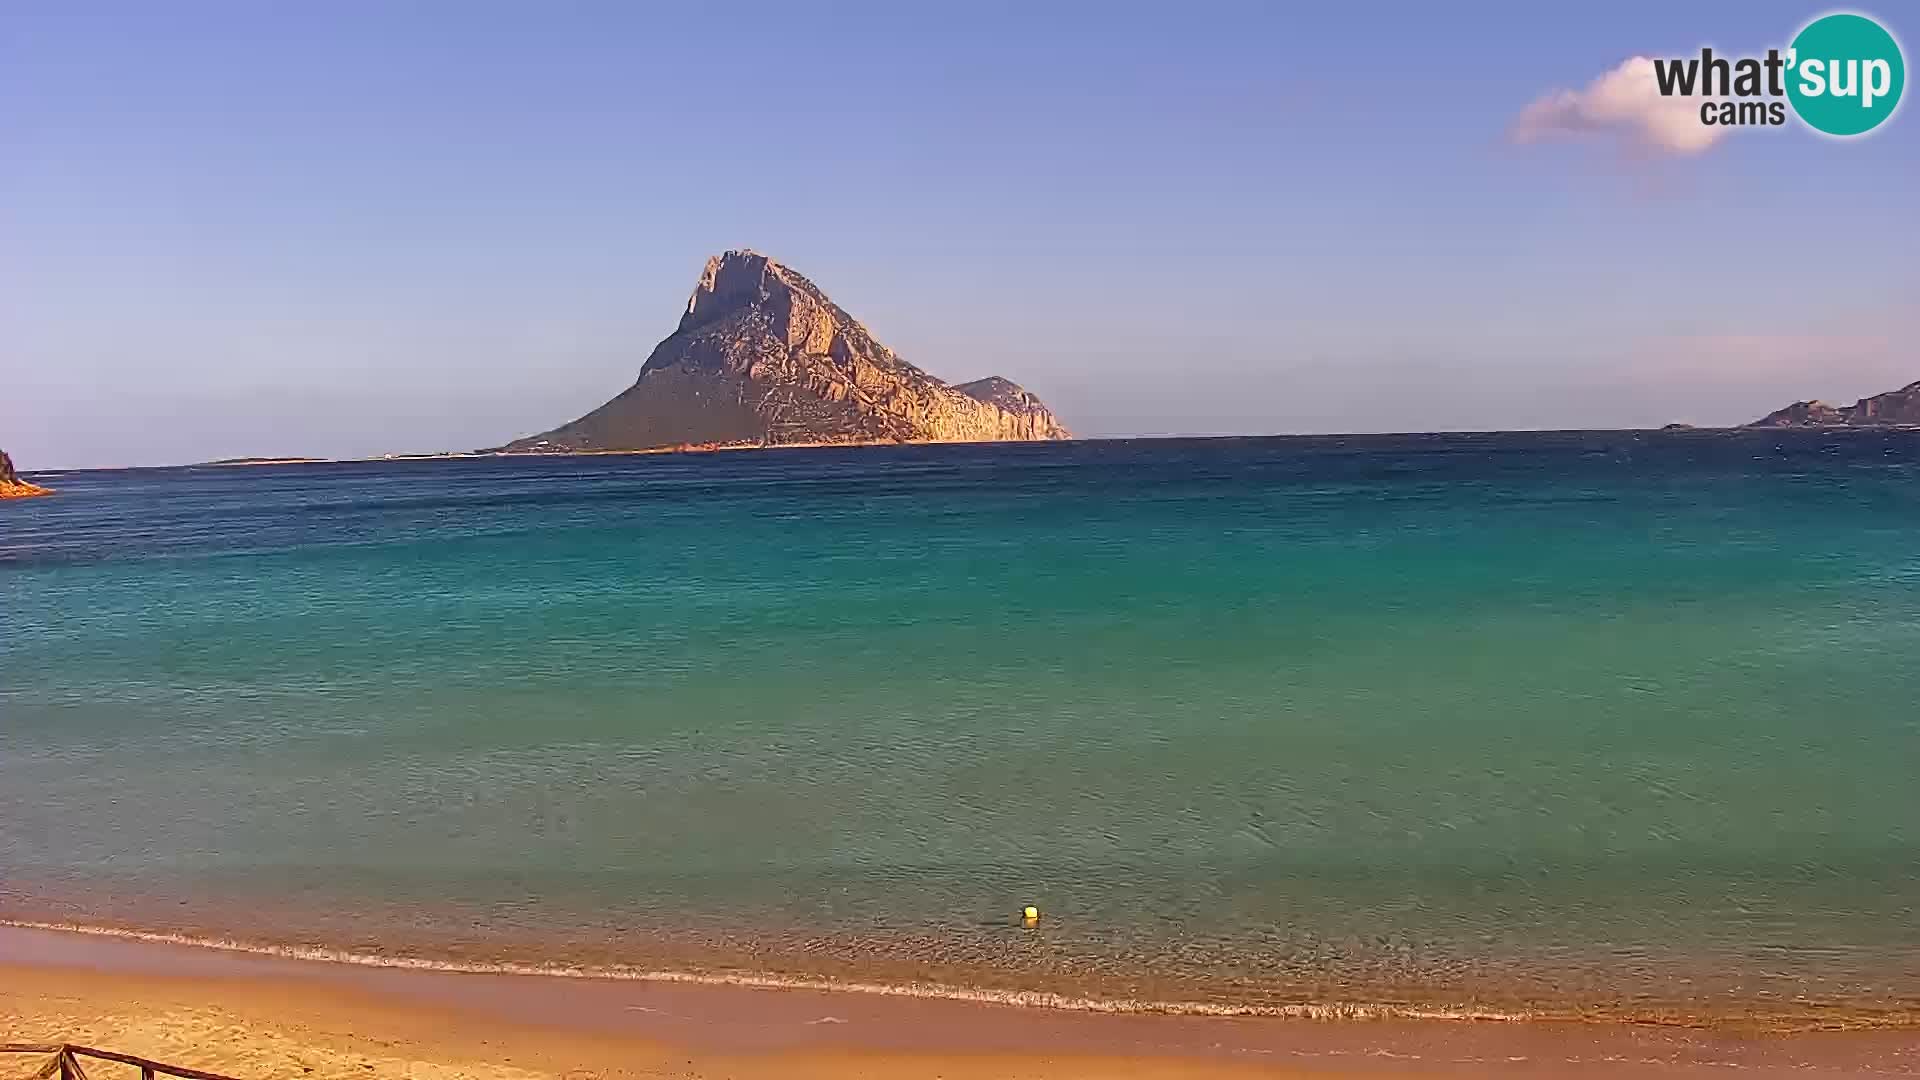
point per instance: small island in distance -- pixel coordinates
(763, 358)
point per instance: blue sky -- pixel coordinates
(356, 227)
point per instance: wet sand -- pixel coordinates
(264, 1016)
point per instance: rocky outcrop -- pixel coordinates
(1012, 398)
(12, 486)
(762, 357)
(1894, 408)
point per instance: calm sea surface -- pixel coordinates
(1620, 723)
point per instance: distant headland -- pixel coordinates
(1895, 408)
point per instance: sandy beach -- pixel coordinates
(262, 1016)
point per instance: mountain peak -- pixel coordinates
(742, 277)
(762, 357)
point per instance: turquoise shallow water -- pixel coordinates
(1610, 722)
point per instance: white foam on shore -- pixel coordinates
(1042, 999)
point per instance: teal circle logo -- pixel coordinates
(1845, 74)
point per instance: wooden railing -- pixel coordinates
(64, 1062)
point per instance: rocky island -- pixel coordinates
(12, 487)
(1895, 408)
(763, 358)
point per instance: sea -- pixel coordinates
(1608, 725)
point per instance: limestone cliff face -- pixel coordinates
(1891, 409)
(1015, 400)
(12, 486)
(763, 357)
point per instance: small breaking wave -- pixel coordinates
(1041, 999)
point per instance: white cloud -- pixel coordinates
(1624, 103)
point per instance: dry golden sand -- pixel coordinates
(271, 1030)
(247, 1030)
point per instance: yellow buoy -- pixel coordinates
(1030, 915)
